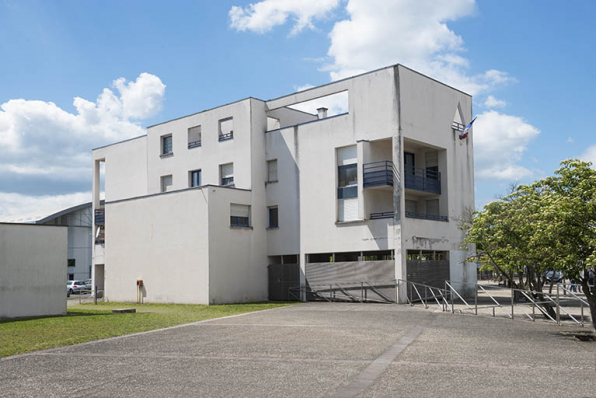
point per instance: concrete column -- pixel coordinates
(399, 208)
(363, 150)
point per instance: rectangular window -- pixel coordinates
(166, 183)
(194, 137)
(71, 277)
(226, 172)
(166, 144)
(273, 217)
(347, 172)
(239, 215)
(195, 178)
(272, 170)
(226, 129)
(409, 162)
(71, 262)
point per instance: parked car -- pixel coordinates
(558, 278)
(76, 286)
(89, 284)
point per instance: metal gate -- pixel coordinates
(356, 281)
(428, 272)
(281, 278)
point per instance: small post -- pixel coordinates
(396, 292)
(475, 299)
(452, 301)
(512, 301)
(558, 307)
(410, 298)
(95, 296)
(362, 290)
(493, 311)
(533, 312)
(581, 303)
(425, 297)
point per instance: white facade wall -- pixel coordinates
(32, 270)
(390, 110)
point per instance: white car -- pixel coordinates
(76, 287)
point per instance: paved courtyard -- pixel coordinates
(318, 350)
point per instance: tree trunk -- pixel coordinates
(591, 298)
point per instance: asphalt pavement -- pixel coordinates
(318, 350)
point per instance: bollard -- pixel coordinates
(475, 299)
(95, 296)
(512, 302)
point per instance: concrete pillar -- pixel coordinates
(363, 150)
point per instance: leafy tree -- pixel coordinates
(548, 225)
(571, 221)
(509, 239)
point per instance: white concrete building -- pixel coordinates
(79, 222)
(239, 202)
(32, 270)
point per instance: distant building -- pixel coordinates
(32, 270)
(228, 204)
(79, 222)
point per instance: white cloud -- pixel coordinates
(589, 155)
(380, 33)
(263, 16)
(14, 206)
(499, 142)
(492, 102)
(43, 146)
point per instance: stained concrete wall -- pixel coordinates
(32, 270)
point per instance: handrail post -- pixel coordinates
(452, 301)
(476, 299)
(425, 298)
(558, 307)
(410, 298)
(581, 303)
(533, 312)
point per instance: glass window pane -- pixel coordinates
(167, 144)
(273, 217)
(348, 175)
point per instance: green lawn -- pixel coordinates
(87, 322)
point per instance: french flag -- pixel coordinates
(464, 133)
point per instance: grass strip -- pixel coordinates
(87, 322)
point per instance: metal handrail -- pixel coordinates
(194, 144)
(227, 136)
(423, 216)
(380, 215)
(378, 173)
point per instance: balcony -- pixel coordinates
(421, 216)
(225, 137)
(421, 179)
(100, 216)
(376, 174)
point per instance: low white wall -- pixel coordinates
(32, 270)
(162, 239)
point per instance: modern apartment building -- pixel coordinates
(239, 202)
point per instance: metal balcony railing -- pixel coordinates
(194, 144)
(378, 216)
(225, 137)
(422, 216)
(422, 179)
(100, 216)
(227, 181)
(377, 174)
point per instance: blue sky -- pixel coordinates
(527, 64)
